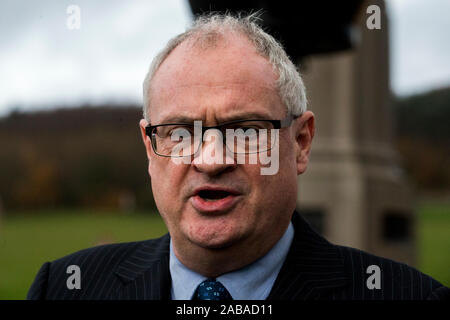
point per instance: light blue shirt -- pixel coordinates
(253, 282)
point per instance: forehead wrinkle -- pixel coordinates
(234, 111)
(169, 93)
(233, 92)
(219, 107)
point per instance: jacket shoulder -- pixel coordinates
(375, 277)
(96, 267)
(114, 251)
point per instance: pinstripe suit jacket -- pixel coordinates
(313, 269)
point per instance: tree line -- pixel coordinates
(77, 157)
(94, 157)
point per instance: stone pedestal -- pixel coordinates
(354, 190)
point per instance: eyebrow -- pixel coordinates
(244, 116)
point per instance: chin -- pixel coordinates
(213, 232)
(216, 245)
(214, 240)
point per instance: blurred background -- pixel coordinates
(73, 170)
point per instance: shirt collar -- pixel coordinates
(253, 282)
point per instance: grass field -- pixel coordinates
(434, 241)
(26, 241)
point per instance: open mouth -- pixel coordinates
(213, 195)
(215, 200)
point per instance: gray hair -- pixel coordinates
(208, 28)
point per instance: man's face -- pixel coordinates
(227, 82)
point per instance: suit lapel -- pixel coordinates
(312, 269)
(145, 273)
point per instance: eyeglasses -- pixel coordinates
(240, 136)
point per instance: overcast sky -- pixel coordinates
(44, 63)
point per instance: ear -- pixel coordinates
(146, 139)
(304, 133)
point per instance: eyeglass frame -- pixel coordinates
(277, 124)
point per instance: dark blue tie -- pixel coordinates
(211, 289)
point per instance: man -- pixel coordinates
(233, 229)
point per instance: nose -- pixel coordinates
(213, 158)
